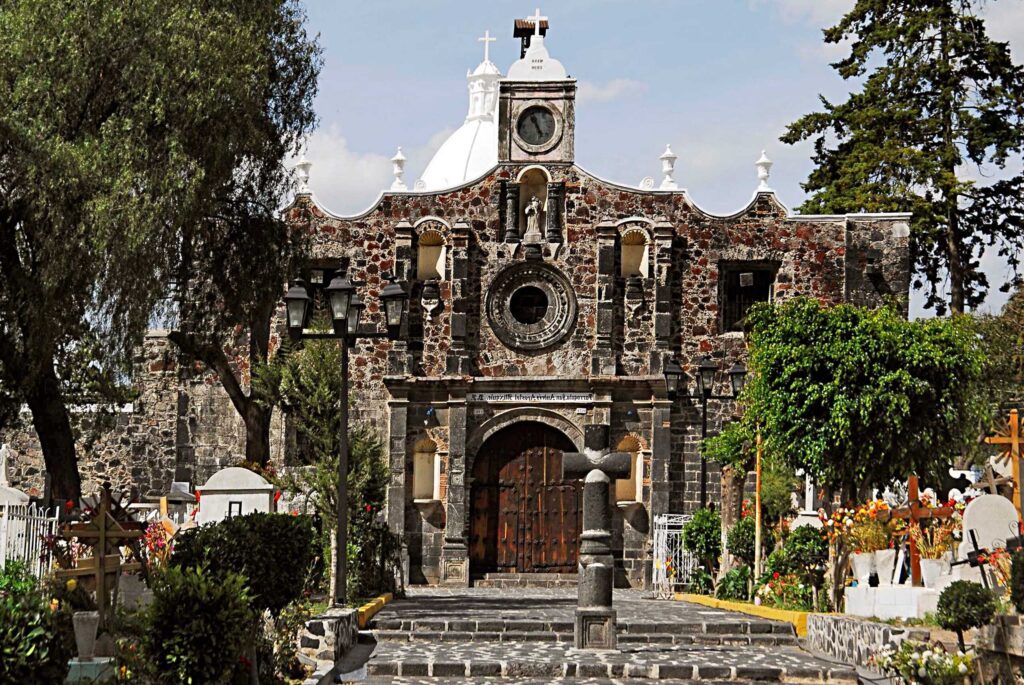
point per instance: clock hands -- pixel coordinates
(533, 119)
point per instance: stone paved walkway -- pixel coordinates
(523, 637)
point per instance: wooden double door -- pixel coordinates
(525, 518)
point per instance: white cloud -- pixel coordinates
(347, 182)
(819, 12)
(615, 89)
(825, 53)
(1005, 22)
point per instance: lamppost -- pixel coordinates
(346, 307)
(706, 372)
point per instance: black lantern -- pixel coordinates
(355, 308)
(738, 378)
(673, 376)
(297, 305)
(706, 375)
(339, 294)
(394, 297)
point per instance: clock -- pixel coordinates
(536, 125)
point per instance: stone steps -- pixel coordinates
(714, 631)
(526, 660)
(767, 639)
(525, 580)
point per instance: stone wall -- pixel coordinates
(327, 638)
(854, 640)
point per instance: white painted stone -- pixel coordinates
(764, 172)
(234, 491)
(668, 167)
(398, 169)
(892, 601)
(993, 519)
(537, 64)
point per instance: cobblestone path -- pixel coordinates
(524, 637)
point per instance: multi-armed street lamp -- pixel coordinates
(706, 372)
(346, 306)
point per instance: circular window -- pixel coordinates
(531, 306)
(528, 304)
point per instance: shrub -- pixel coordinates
(734, 584)
(15, 579)
(199, 625)
(786, 591)
(701, 582)
(965, 605)
(35, 634)
(740, 540)
(777, 562)
(1017, 582)
(702, 536)
(806, 552)
(273, 551)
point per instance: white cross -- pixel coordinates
(487, 40)
(537, 19)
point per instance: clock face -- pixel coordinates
(536, 125)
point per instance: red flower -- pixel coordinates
(277, 496)
(197, 495)
(69, 505)
(775, 575)
(369, 507)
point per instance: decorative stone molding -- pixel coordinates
(507, 418)
(531, 306)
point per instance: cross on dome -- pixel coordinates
(537, 19)
(486, 39)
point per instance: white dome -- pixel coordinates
(467, 154)
(473, 149)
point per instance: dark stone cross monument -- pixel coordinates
(598, 466)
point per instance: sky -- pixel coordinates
(719, 80)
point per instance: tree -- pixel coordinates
(236, 259)
(857, 397)
(125, 126)
(939, 101)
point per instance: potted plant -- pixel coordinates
(870, 540)
(85, 618)
(933, 541)
(918, 662)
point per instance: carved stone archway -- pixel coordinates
(518, 415)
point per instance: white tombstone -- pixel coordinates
(993, 519)
(234, 491)
(8, 495)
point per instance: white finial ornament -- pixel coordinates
(398, 168)
(486, 39)
(764, 172)
(302, 171)
(668, 167)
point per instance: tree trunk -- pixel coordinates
(257, 432)
(733, 481)
(957, 272)
(53, 426)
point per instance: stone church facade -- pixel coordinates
(544, 301)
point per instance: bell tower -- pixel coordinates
(537, 106)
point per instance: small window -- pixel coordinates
(742, 286)
(635, 260)
(430, 257)
(630, 490)
(234, 509)
(426, 472)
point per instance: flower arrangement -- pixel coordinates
(864, 529)
(785, 591)
(934, 538)
(917, 663)
(159, 545)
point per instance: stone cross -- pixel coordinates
(915, 512)
(487, 40)
(598, 467)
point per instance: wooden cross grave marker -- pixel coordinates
(105, 534)
(1009, 442)
(917, 512)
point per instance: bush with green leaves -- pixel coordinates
(200, 625)
(36, 636)
(702, 537)
(740, 540)
(806, 551)
(1017, 582)
(701, 582)
(964, 605)
(735, 584)
(274, 552)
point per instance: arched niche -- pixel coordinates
(533, 182)
(628, 491)
(426, 471)
(431, 255)
(635, 253)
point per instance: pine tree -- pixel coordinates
(939, 103)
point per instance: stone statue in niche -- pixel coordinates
(533, 234)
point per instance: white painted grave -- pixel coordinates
(234, 491)
(993, 519)
(8, 495)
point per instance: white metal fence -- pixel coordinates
(673, 565)
(23, 528)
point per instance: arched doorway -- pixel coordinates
(525, 518)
